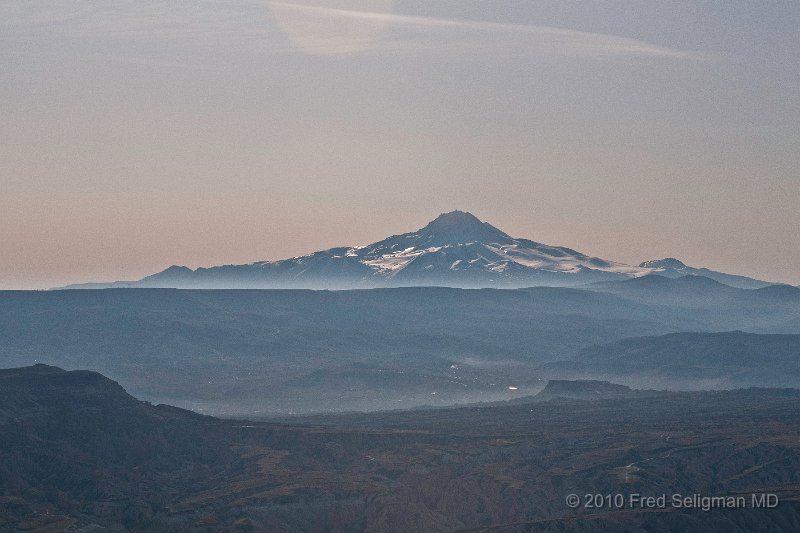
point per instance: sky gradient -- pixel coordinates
(136, 135)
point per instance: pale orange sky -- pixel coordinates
(136, 135)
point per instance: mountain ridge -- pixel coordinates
(686, 360)
(674, 268)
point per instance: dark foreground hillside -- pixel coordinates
(78, 453)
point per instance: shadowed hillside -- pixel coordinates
(77, 451)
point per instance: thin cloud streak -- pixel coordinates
(325, 30)
(311, 29)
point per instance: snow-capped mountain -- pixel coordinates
(459, 247)
(456, 250)
(673, 268)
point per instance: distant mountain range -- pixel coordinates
(455, 250)
(280, 351)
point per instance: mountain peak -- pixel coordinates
(667, 262)
(173, 272)
(461, 227)
(455, 218)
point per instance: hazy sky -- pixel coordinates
(139, 134)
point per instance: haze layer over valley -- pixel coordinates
(292, 351)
